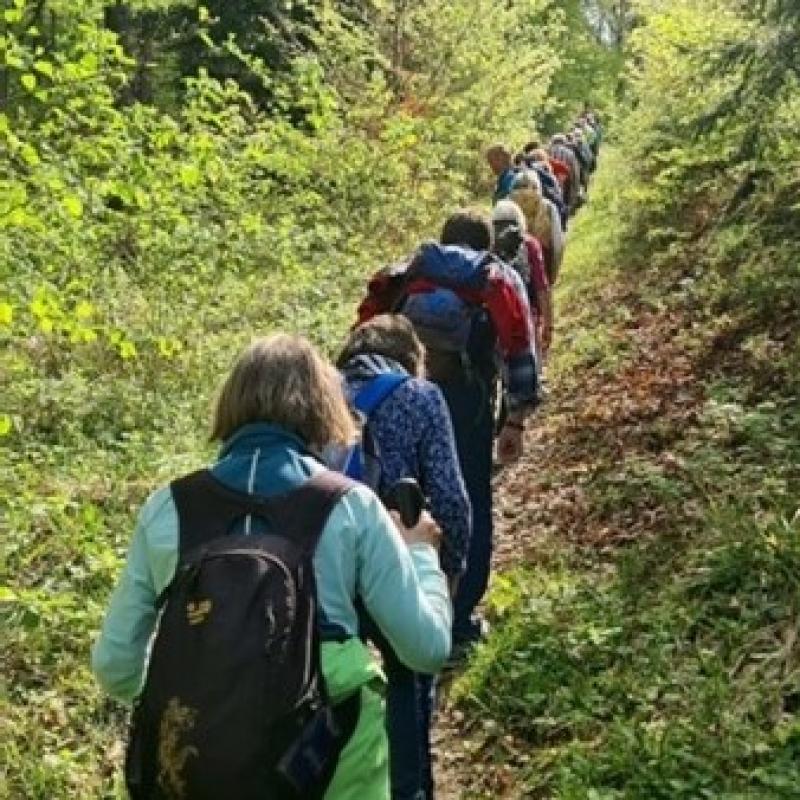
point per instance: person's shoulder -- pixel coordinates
(413, 398)
(356, 499)
(157, 504)
(426, 390)
(420, 385)
(356, 514)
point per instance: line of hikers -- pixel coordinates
(349, 512)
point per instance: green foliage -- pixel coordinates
(142, 244)
(671, 674)
(589, 39)
(667, 668)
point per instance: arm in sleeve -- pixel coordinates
(442, 482)
(402, 588)
(536, 261)
(522, 383)
(120, 653)
(558, 238)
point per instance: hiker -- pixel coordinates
(521, 250)
(594, 121)
(468, 391)
(556, 167)
(383, 364)
(467, 307)
(584, 154)
(501, 163)
(560, 149)
(538, 161)
(280, 404)
(591, 135)
(543, 220)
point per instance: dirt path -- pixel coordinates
(594, 420)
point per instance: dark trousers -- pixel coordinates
(408, 717)
(471, 409)
(409, 708)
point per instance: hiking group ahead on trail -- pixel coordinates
(282, 615)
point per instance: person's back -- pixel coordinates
(472, 314)
(414, 437)
(527, 194)
(281, 401)
(561, 150)
(469, 396)
(551, 188)
(524, 253)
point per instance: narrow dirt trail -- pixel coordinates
(594, 420)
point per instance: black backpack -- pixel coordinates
(234, 704)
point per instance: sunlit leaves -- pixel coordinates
(29, 154)
(84, 310)
(73, 206)
(142, 244)
(44, 68)
(127, 350)
(190, 175)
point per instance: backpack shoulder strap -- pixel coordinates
(303, 512)
(375, 391)
(207, 508)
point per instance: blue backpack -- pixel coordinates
(441, 319)
(362, 461)
(444, 320)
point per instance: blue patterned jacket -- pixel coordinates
(415, 436)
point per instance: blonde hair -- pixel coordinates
(388, 335)
(527, 194)
(283, 380)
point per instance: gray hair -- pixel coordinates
(507, 211)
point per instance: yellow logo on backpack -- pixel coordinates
(197, 612)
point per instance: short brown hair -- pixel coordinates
(388, 335)
(468, 228)
(498, 150)
(282, 379)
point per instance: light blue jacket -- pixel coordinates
(360, 554)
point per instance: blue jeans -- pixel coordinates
(471, 410)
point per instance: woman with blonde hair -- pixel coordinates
(281, 404)
(542, 218)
